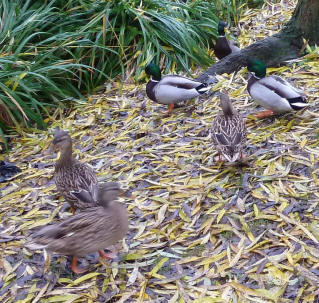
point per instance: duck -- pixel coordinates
(273, 93)
(171, 89)
(223, 47)
(88, 231)
(228, 131)
(72, 175)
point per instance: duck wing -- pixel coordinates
(279, 86)
(79, 177)
(180, 82)
(286, 83)
(229, 135)
(106, 192)
(55, 237)
(89, 231)
(276, 94)
(173, 89)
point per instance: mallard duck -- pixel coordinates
(171, 89)
(71, 175)
(273, 92)
(224, 47)
(228, 131)
(89, 231)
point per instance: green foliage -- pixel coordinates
(36, 70)
(51, 51)
(231, 10)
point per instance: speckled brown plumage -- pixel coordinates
(229, 130)
(91, 230)
(71, 175)
(87, 232)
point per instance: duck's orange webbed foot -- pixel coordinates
(169, 110)
(264, 114)
(107, 256)
(73, 210)
(75, 268)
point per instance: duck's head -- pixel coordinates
(257, 67)
(109, 192)
(153, 70)
(221, 28)
(61, 141)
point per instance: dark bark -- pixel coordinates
(285, 45)
(306, 20)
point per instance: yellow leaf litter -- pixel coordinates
(199, 231)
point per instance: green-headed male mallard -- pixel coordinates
(224, 47)
(171, 89)
(93, 229)
(229, 131)
(71, 175)
(273, 92)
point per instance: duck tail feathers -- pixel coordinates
(33, 245)
(203, 88)
(298, 103)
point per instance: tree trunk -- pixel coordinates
(285, 45)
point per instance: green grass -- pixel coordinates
(232, 10)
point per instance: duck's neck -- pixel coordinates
(66, 159)
(150, 89)
(227, 107)
(156, 78)
(251, 81)
(221, 32)
(228, 110)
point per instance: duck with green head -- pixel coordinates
(71, 174)
(272, 92)
(171, 89)
(224, 47)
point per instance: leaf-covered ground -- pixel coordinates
(199, 231)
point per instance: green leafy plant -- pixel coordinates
(54, 51)
(232, 10)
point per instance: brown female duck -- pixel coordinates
(229, 131)
(72, 175)
(91, 230)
